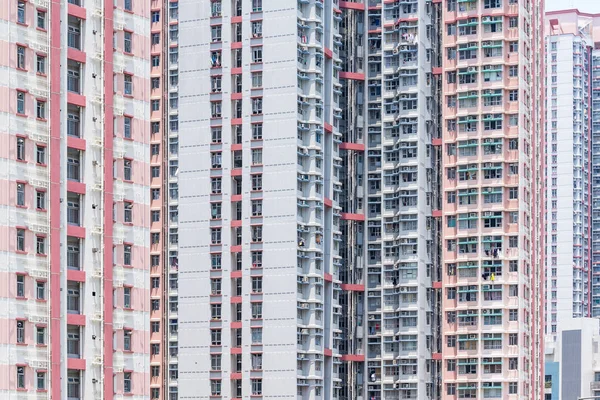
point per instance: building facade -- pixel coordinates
(308, 208)
(164, 127)
(75, 180)
(493, 179)
(572, 108)
(572, 364)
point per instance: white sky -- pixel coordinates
(590, 6)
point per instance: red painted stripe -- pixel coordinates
(236, 274)
(353, 357)
(350, 5)
(75, 276)
(353, 287)
(76, 11)
(76, 55)
(352, 75)
(352, 146)
(353, 217)
(76, 187)
(76, 363)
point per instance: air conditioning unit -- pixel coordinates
(305, 279)
(484, 311)
(472, 69)
(95, 250)
(304, 331)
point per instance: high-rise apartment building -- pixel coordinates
(164, 127)
(573, 106)
(309, 251)
(74, 167)
(493, 181)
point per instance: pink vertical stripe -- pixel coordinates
(55, 188)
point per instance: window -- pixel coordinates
(74, 33)
(127, 170)
(216, 108)
(513, 339)
(127, 297)
(215, 286)
(451, 389)
(451, 341)
(256, 310)
(257, 157)
(21, 57)
(40, 290)
(20, 286)
(256, 335)
(155, 349)
(21, 12)
(256, 231)
(215, 337)
(257, 54)
(128, 84)
(256, 208)
(20, 331)
(128, 5)
(127, 127)
(127, 382)
(40, 245)
(20, 106)
(155, 15)
(21, 194)
(127, 339)
(215, 32)
(127, 254)
(513, 388)
(73, 384)
(215, 387)
(256, 5)
(257, 182)
(73, 298)
(257, 106)
(40, 109)
(215, 184)
(40, 64)
(21, 377)
(215, 261)
(257, 79)
(215, 210)
(127, 211)
(20, 239)
(127, 42)
(215, 234)
(256, 284)
(257, 131)
(215, 311)
(513, 95)
(40, 335)
(257, 29)
(451, 365)
(40, 155)
(215, 362)
(256, 387)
